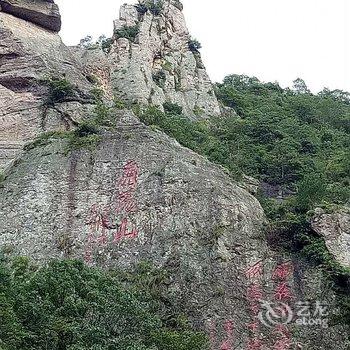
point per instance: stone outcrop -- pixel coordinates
(157, 65)
(29, 56)
(44, 13)
(335, 229)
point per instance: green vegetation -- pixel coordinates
(128, 32)
(159, 78)
(69, 306)
(102, 43)
(194, 45)
(141, 8)
(295, 142)
(153, 6)
(179, 5)
(84, 136)
(167, 66)
(172, 108)
(59, 90)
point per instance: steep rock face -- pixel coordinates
(140, 196)
(158, 66)
(335, 229)
(29, 55)
(45, 13)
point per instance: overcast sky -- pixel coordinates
(270, 39)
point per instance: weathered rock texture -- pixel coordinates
(29, 56)
(158, 65)
(335, 229)
(139, 195)
(45, 13)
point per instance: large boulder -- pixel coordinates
(45, 13)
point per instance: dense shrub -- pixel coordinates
(128, 32)
(159, 78)
(59, 90)
(102, 43)
(194, 45)
(141, 8)
(155, 6)
(172, 108)
(67, 305)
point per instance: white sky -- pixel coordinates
(271, 39)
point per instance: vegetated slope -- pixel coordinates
(295, 142)
(67, 305)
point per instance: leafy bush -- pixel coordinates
(194, 45)
(172, 108)
(155, 6)
(118, 103)
(59, 90)
(198, 136)
(128, 32)
(159, 78)
(86, 129)
(103, 43)
(141, 8)
(67, 305)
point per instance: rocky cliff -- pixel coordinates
(125, 193)
(29, 56)
(159, 63)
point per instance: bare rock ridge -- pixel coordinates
(158, 64)
(45, 13)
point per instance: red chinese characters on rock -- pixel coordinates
(228, 342)
(255, 271)
(284, 338)
(98, 218)
(283, 271)
(123, 231)
(126, 188)
(126, 201)
(255, 344)
(97, 231)
(255, 293)
(282, 294)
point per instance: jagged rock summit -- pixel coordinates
(158, 61)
